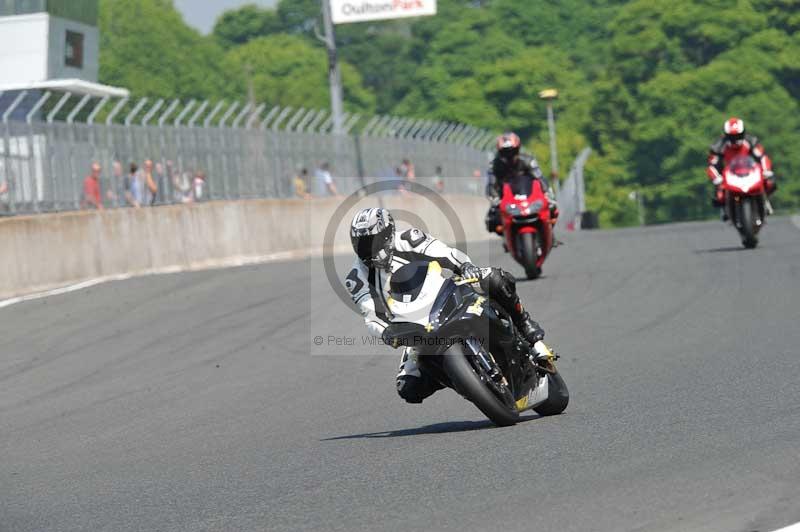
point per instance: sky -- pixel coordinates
(202, 13)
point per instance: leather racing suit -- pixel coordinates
(369, 289)
(501, 173)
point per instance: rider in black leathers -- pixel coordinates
(508, 164)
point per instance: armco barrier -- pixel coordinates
(51, 250)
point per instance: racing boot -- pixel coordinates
(531, 330)
(501, 286)
(718, 200)
(553, 205)
(412, 384)
(770, 187)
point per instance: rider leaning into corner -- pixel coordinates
(509, 164)
(382, 251)
(735, 142)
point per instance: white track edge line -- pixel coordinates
(232, 262)
(791, 528)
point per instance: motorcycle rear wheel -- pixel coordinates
(466, 382)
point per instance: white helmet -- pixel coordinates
(734, 130)
(372, 236)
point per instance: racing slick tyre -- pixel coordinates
(749, 229)
(527, 250)
(470, 383)
(557, 396)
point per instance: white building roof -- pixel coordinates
(75, 86)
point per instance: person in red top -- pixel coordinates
(91, 189)
(733, 143)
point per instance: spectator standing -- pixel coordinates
(325, 184)
(199, 186)
(152, 188)
(134, 187)
(161, 182)
(479, 182)
(116, 189)
(92, 199)
(4, 196)
(182, 185)
(405, 174)
(438, 180)
(301, 184)
(400, 179)
(407, 171)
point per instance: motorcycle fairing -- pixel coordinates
(456, 311)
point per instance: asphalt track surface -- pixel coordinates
(193, 402)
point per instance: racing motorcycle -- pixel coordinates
(526, 227)
(745, 198)
(469, 344)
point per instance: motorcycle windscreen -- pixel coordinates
(413, 289)
(742, 166)
(406, 283)
(743, 174)
(521, 185)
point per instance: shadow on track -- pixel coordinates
(727, 249)
(436, 428)
(523, 279)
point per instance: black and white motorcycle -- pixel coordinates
(469, 344)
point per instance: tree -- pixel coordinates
(644, 83)
(367, 46)
(238, 26)
(286, 70)
(146, 46)
(298, 16)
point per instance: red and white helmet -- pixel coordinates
(508, 145)
(734, 130)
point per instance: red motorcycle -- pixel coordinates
(745, 198)
(526, 223)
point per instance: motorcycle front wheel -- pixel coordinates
(748, 221)
(469, 382)
(527, 251)
(557, 396)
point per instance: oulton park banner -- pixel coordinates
(344, 11)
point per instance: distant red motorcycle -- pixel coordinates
(526, 223)
(745, 198)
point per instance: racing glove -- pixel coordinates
(470, 271)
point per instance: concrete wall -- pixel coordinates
(46, 251)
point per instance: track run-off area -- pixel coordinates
(197, 401)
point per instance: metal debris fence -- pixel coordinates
(48, 142)
(571, 195)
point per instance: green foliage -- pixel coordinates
(676, 71)
(238, 26)
(286, 70)
(382, 53)
(646, 84)
(298, 16)
(146, 47)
